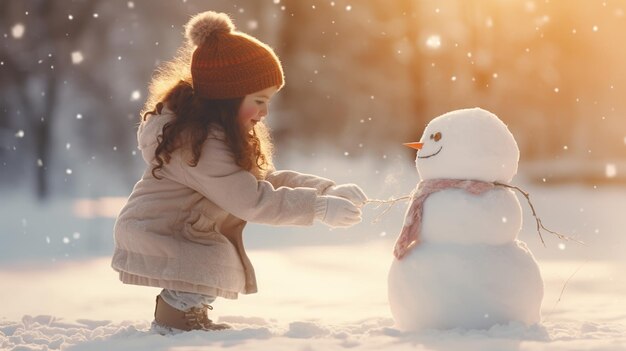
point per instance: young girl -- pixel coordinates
(209, 172)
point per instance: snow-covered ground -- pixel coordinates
(320, 289)
(312, 298)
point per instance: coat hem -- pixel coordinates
(132, 279)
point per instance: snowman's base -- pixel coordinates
(444, 286)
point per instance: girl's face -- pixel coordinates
(254, 108)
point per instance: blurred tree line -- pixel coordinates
(362, 77)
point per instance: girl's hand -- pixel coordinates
(336, 211)
(351, 192)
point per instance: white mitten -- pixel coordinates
(351, 192)
(336, 211)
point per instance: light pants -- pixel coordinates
(184, 300)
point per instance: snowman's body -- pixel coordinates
(468, 269)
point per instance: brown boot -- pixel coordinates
(196, 318)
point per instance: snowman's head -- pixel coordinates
(467, 144)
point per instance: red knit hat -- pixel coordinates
(228, 63)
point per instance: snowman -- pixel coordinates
(458, 262)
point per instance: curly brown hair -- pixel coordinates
(194, 116)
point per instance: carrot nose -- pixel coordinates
(416, 146)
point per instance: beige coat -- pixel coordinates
(184, 231)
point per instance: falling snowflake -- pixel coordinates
(77, 57)
(68, 171)
(17, 31)
(19, 134)
(136, 95)
(253, 25)
(610, 170)
(433, 42)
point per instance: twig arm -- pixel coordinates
(537, 219)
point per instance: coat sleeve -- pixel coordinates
(293, 179)
(218, 178)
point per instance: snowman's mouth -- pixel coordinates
(438, 151)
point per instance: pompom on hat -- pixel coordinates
(227, 63)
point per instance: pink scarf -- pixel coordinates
(410, 235)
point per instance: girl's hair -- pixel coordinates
(195, 116)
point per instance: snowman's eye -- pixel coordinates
(436, 136)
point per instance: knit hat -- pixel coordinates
(227, 63)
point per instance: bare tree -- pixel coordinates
(32, 69)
